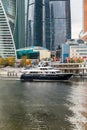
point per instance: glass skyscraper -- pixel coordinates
(15, 11)
(38, 23)
(60, 22)
(7, 45)
(47, 23)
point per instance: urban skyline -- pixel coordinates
(48, 19)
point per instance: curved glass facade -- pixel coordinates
(10, 8)
(15, 10)
(60, 29)
(7, 45)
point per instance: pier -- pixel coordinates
(74, 68)
(10, 73)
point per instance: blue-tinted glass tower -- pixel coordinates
(60, 22)
(38, 23)
(47, 23)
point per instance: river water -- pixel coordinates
(43, 105)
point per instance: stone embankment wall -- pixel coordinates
(10, 74)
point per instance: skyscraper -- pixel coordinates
(60, 22)
(7, 45)
(38, 23)
(85, 15)
(48, 23)
(15, 11)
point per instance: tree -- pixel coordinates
(71, 60)
(79, 60)
(9, 61)
(23, 61)
(1, 61)
(28, 62)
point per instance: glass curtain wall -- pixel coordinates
(60, 25)
(19, 33)
(34, 23)
(48, 23)
(38, 23)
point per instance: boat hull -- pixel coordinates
(58, 77)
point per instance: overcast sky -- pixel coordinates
(76, 17)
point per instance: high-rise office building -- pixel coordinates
(85, 15)
(15, 11)
(83, 33)
(7, 45)
(60, 22)
(34, 23)
(47, 23)
(38, 23)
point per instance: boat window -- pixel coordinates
(43, 68)
(50, 68)
(53, 72)
(33, 72)
(57, 71)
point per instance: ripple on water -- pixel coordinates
(78, 99)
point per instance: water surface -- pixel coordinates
(43, 105)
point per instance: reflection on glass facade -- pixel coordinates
(47, 23)
(38, 23)
(60, 25)
(15, 11)
(34, 19)
(7, 45)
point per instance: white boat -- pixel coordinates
(44, 73)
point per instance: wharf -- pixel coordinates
(75, 68)
(10, 73)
